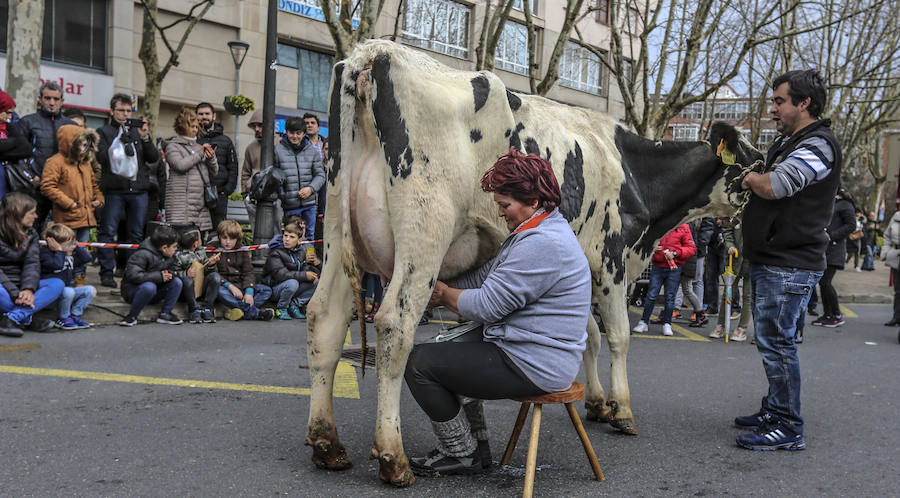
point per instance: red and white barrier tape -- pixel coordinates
(254, 247)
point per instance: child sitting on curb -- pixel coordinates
(188, 253)
(239, 290)
(149, 278)
(292, 279)
(59, 258)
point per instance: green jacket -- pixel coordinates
(734, 237)
(185, 257)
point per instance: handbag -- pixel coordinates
(210, 196)
(20, 176)
(855, 235)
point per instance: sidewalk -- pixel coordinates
(864, 286)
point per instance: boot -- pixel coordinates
(456, 452)
(699, 319)
(80, 280)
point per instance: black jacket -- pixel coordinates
(283, 264)
(40, 129)
(843, 222)
(790, 232)
(225, 179)
(54, 264)
(145, 265)
(20, 268)
(15, 146)
(146, 153)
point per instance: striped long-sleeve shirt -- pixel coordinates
(810, 163)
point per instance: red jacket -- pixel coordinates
(678, 240)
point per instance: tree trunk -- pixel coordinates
(150, 60)
(23, 53)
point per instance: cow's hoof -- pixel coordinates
(598, 412)
(625, 425)
(329, 456)
(395, 471)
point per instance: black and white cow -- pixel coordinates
(410, 140)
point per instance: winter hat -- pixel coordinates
(6, 102)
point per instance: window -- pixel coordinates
(685, 132)
(74, 31)
(766, 136)
(512, 49)
(603, 11)
(314, 75)
(438, 25)
(633, 21)
(693, 111)
(731, 111)
(520, 5)
(580, 69)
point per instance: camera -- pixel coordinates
(134, 123)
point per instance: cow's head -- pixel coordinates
(736, 156)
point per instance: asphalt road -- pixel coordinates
(153, 429)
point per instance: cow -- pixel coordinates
(410, 140)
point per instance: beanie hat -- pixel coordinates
(6, 102)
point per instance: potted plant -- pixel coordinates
(238, 105)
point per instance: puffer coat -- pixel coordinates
(69, 177)
(843, 222)
(188, 171)
(890, 253)
(302, 168)
(40, 129)
(20, 267)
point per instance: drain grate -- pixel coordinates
(353, 355)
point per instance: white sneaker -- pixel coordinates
(640, 328)
(718, 332)
(667, 329)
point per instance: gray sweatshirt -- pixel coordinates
(534, 298)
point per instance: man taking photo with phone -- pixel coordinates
(125, 198)
(225, 180)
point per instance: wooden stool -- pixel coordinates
(574, 393)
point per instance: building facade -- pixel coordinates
(91, 48)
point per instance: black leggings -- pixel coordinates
(830, 305)
(211, 283)
(437, 372)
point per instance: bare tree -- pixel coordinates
(340, 16)
(153, 73)
(491, 29)
(23, 52)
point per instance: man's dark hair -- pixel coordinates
(164, 235)
(201, 105)
(804, 84)
(294, 124)
(72, 112)
(309, 115)
(188, 238)
(50, 85)
(119, 98)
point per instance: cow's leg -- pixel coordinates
(594, 396)
(614, 313)
(328, 315)
(396, 321)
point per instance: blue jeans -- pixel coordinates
(670, 277)
(149, 292)
(261, 294)
(131, 206)
(869, 259)
(292, 292)
(48, 291)
(374, 291)
(779, 295)
(74, 300)
(308, 214)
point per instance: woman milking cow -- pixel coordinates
(533, 300)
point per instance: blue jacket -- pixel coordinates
(534, 299)
(302, 167)
(55, 264)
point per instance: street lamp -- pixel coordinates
(238, 50)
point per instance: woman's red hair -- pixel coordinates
(524, 177)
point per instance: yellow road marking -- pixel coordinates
(445, 322)
(848, 313)
(688, 335)
(21, 347)
(342, 389)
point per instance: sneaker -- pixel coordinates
(739, 335)
(41, 325)
(282, 314)
(10, 328)
(835, 322)
(266, 314)
(435, 464)
(296, 313)
(857, 269)
(699, 320)
(821, 320)
(128, 321)
(735, 315)
(80, 280)
(208, 315)
(667, 329)
(66, 323)
(234, 314)
(770, 437)
(717, 333)
(370, 317)
(195, 317)
(640, 328)
(169, 319)
(812, 312)
(108, 281)
(81, 323)
(752, 421)
(676, 314)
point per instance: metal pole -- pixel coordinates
(237, 91)
(265, 209)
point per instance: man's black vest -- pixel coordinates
(790, 232)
